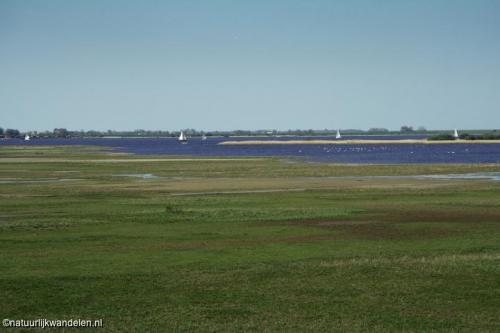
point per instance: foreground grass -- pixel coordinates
(199, 249)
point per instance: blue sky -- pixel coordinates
(249, 64)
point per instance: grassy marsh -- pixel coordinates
(246, 244)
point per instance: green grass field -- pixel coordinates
(256, 244)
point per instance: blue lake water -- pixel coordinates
(343, 153)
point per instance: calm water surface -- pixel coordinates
(345, 153)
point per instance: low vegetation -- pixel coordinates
(245, 244)
(486, 136)
(441, 137)
(465, 136)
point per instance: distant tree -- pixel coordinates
(407, 129)
(378, 130)
(45, 134)
(90, 133)
(352, 131)
(422, 129)
(60, 133)
(1, 131)
(12, 133)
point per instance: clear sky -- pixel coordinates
(97, 64)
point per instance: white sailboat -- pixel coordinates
(182, 138)
(338, 136)
(455, 135)
(203, 137)
(27, 137)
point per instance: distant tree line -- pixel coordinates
(190, 132)
(9, 133)
(65, 133)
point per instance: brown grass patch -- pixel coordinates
(381, 231)
(451, 214)
(245, 242)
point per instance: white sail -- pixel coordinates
(182, 137)
(203, 137)
(27, 137)
(455, 135)
(338, 136)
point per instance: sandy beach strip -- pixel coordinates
(350, 142)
